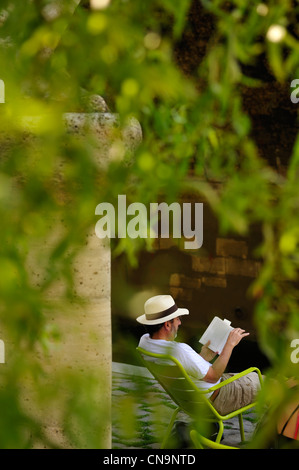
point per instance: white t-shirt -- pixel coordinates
(195, 365)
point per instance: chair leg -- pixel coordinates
(169, 428)
(220, 432)
(242, 434)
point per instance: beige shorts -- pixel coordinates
(237, 394)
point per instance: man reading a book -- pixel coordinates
(162, 318)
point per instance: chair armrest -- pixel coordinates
(235, 377)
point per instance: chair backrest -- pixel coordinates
(171, 375)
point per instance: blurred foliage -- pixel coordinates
(54, 55)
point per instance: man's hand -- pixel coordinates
(207, 353)
(235, 336)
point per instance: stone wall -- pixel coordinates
(212, 280)
(215, 279)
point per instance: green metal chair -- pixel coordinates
(201, 442)
(171, 375)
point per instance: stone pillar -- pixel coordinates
(85, 327)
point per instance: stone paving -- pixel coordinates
(141, 411)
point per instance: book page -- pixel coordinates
(217, 333)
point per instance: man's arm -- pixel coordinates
(217, 369)
(206, 353)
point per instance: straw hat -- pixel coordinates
(159, 309)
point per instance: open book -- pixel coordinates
(217, 332)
